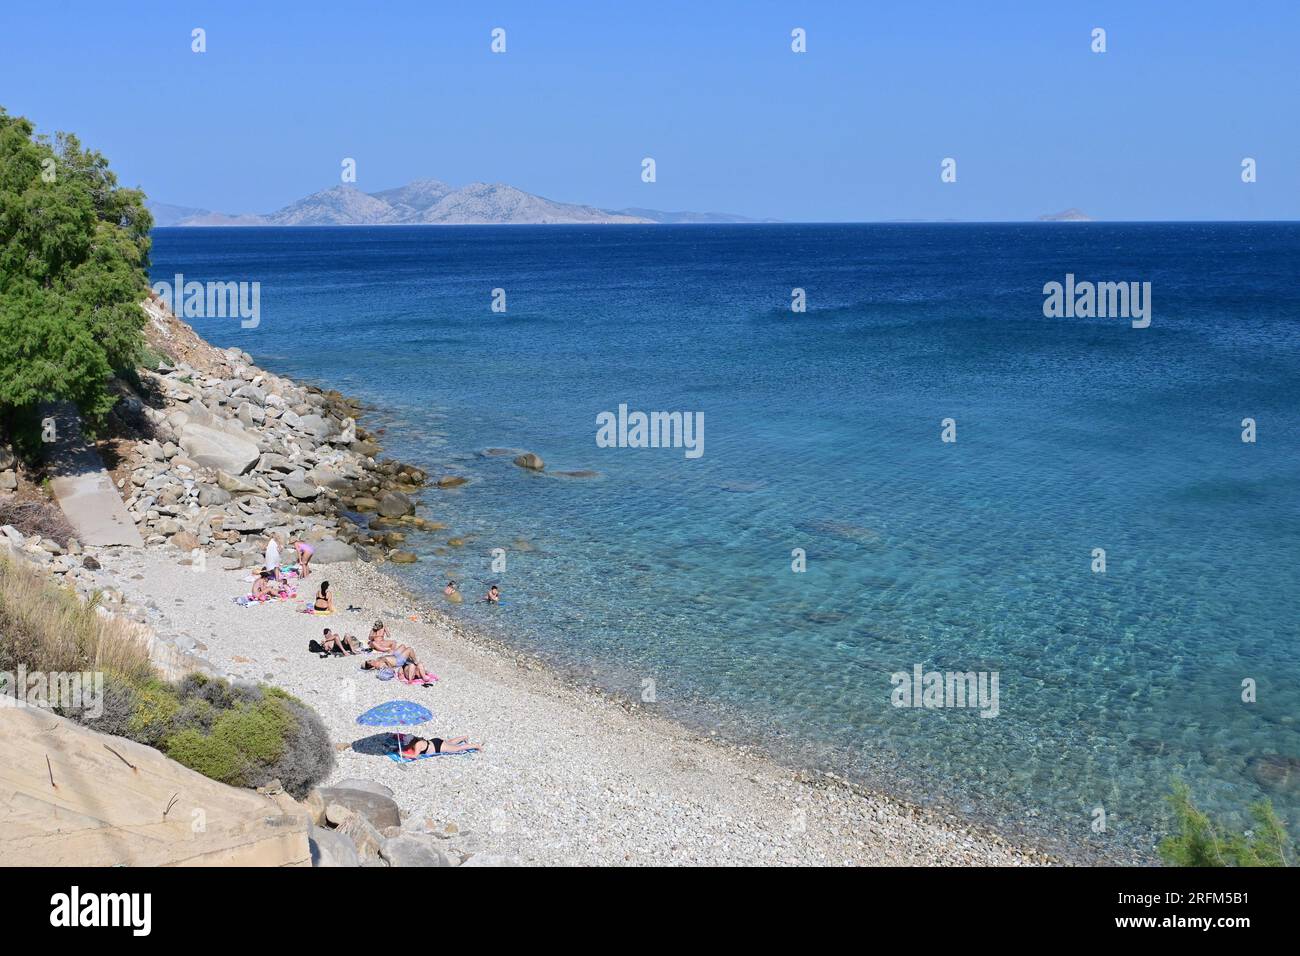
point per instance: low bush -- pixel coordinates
(242, 734)
(1202, 842)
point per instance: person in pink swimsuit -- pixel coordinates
(305, 552)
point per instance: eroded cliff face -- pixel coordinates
(72, 797)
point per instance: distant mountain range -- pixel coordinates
(428, 202)
(1067, 215)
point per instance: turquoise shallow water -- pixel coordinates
(822, 432)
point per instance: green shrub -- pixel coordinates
(154, 711)
(245, 735)
(218, 759)
(1202, 842)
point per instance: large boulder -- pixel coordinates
(531, 461)
(379, 810)
(394, 504)
(316, 426)
(334, 551)
(214, 448)
(331, 848)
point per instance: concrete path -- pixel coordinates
(82, 487)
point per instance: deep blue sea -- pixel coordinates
(823, 432)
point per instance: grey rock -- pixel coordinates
(316, 426)
(302, 490)
(331, 848)
(213, 495)
(412, 851)
(214, 448)
(370, 786)
(365, 837)
(530, 461)
(394, 504)
(327, 477)
(237, 486)
(379, 810)
(333, 551)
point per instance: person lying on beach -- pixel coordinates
(419, 746)
(493, 596)
(401, 663)
(305, 552)
(324, 602)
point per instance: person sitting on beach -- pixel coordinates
(332, 643)
(263, 587)
(272, 562)
(418, 746)
(493, 596)
(305, 552)
(451, 593)
(324, 602)
(380, 639)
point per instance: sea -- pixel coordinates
(903, 464)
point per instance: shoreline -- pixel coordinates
(572, 774)
(569, 776)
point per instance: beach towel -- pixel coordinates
(311, 609)
(398, 758)
(418, 681)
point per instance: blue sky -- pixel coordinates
(854, 129)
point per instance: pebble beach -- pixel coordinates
(567, 776)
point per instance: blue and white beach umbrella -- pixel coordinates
(396, 713)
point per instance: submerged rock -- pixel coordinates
(530, 461)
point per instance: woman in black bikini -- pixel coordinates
(419, 746)
(323, 600)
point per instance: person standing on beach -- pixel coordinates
(272, 562)
(305, 552)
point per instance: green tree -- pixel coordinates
(74, 257)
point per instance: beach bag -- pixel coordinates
(315, 646)
(386, 673)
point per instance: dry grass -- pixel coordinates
(48, 628)
(36, 517)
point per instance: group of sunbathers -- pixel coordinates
(399, 658)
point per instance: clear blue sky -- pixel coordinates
(854, 129)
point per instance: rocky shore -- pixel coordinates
(214, 453)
